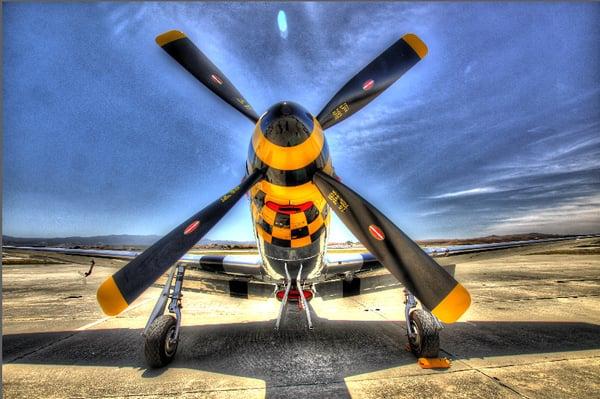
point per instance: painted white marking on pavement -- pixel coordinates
(102, 320)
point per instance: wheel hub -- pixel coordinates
(416, 337)
(171, 342)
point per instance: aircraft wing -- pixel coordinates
(234, 264)
(364, 274)
(454, 254)
(342, 263)
(235, 275)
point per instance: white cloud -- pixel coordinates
(579, 216)
(464, 193)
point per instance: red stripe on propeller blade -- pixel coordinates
(376, 232)
(192, 227)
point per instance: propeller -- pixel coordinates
(428, 281)
(373, 79)
(122, 288)
(178, 46)
(418, 272)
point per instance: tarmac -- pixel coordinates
(533, 331)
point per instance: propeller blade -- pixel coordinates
(370, 82)
(122, 288)
(429, 282)
(178, 46)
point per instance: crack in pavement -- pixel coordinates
(503, 384)
(42, 347)
(542, 298)
(493, 379)
(183, 392)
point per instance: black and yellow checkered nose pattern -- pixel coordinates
(289, 144)
(289, 230)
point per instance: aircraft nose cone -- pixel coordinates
(287, 124)
(286, 110)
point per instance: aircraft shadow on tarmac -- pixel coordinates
(295, 356)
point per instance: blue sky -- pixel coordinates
(495, 131)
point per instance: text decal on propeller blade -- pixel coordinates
(338, 201)
(192, 227)
(376, 232)
(244, 103)
(216, 79)
(368, 85)
(230, 194)
(340, 111)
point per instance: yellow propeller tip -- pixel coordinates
(110, 298)
(416, 44)
(169, 37)
(454, 305)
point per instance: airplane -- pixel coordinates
(292, 187)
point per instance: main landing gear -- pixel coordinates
(422, 329)
(162, 330)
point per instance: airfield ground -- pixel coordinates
(533, 331)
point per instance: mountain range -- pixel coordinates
(123, 240)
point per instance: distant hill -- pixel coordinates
(120, 240)
(126, 241)
(466, 241)
(490, 239)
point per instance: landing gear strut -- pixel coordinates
(422, 329)
(299, 295)
(162, 330)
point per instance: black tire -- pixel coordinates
(158, 348)
(426, 342)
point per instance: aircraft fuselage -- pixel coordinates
(289, 214)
